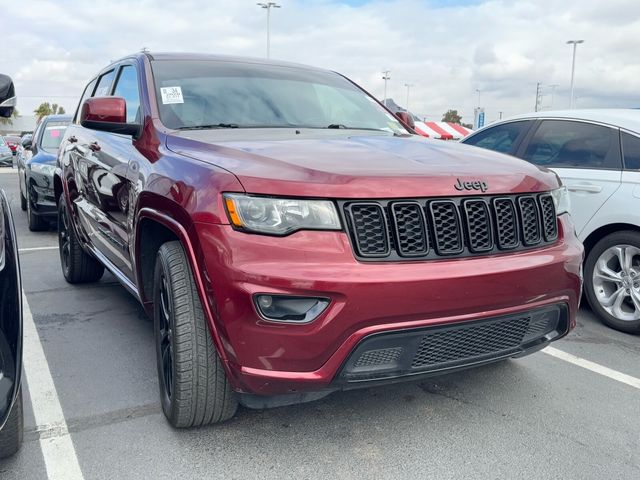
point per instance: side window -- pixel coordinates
(570, 144)
(631, 151)
(104, 84)
(127, 88)
(88, 91)
(501, 138)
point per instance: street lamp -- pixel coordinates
(573, 67)
(386, 77)
(408, 85)
(268, 6)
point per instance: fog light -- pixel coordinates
(290, 309)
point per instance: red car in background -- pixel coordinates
(290, 237)
(13, 142)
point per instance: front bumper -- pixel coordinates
(42, 194)
(367, 299)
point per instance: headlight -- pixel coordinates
(280, 216)
(42, 168)
(561, 200)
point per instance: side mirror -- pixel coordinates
(406, 119)
(26, 143)
(7, 96)
(107, 114)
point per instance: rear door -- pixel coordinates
(585, 155)
(628, 196)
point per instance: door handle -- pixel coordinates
(584, 188)
(94, 146)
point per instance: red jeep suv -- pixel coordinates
(290, 237)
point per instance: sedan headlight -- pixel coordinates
(561, 200)
(280, 216)
(42, 168)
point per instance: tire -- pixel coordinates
(77, 265)
(12, 432)
(23, 202)
(36, 224)
(617, 283)
(194, 389)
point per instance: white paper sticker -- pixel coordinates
(171, 95)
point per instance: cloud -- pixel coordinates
(447, 49)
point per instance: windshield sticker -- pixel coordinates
(171, 95)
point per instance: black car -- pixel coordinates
(36, 173)
(10, 335)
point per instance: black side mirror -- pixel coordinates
(7, 96)
(26, 144)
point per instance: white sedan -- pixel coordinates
(596, 153)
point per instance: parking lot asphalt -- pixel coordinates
(535, 417)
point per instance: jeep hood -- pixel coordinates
(325, 163)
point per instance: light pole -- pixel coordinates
(386, 77)
(268, 6)
(408, 85)
(573, 67)
(553, 92)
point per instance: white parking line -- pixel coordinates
(59, 454)
(36, 249)
(594, 367)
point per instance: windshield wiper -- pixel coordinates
(344, 127)
(209, 127)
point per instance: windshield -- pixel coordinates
(215, 94)
(52, 135)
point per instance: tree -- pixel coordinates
(45, 109)
(452, 117)
(9, 120)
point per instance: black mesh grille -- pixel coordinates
(463, 343)
(478, 225)
(432, 228)
(409, 223)
(446, 226)
(382, 356)
(531, 234)
(549, 220)
(506, 223)
(370, 229)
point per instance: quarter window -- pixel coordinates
(127, 88)
(104, 84)
(631, 151)
(501, 138)
(570, 144)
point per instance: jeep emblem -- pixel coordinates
(475, 185)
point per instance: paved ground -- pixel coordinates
(537, 417)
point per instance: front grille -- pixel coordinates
(453, 345)
(375, 358)
(415, 229)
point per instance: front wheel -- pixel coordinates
(194, 389)
(36, 223)
(612, 280)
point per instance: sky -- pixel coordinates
(446, 49)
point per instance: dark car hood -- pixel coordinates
(44, 157)
(338, 165)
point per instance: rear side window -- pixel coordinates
(127, 88)
(104, 84)
(631, 151)
(501, 138)
(570, 144)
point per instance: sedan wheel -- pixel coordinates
(612, 276)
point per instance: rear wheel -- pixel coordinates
(194, 389)
(612, 280)
(77, 265)
(12, 432)
(36, 223)
(23, 201)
